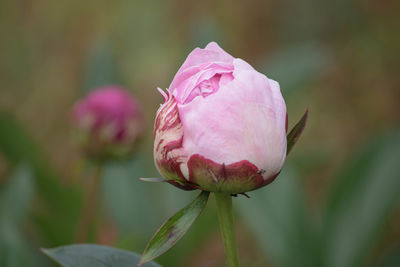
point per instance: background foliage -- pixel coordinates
(336, 202)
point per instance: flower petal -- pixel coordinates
(244, 120)
(212, 53)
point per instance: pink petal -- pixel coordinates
(243, 120)
(212, 53)
(185, 87)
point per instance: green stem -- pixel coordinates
(90, 208)
(227, 225)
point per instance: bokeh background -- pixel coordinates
(336, 202)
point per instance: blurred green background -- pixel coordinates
(337, 201)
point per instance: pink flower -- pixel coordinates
(108, 122)
(222, 126)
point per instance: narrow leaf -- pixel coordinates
(174, 228)
(362, 203)
(58, 213)
(153, 180)
(296, 131)
(87, 255)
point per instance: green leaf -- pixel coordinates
(59, 210)
(16, 197)
(153, 180)
(174, 228)
(296, 131)
(125, 193)
(88, 255)
(366, 194)
(20, 184)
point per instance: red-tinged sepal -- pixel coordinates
(235, 178)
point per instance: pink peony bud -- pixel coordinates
(107, 122)
(221, 127)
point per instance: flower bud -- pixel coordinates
(107, 122)
(221, 127)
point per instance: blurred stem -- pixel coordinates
(227, 225)
(90, 208)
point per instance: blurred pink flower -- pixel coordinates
(221, 127)
(108, 122)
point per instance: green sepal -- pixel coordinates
(153, 180)
(174, 228)
(296, 131)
